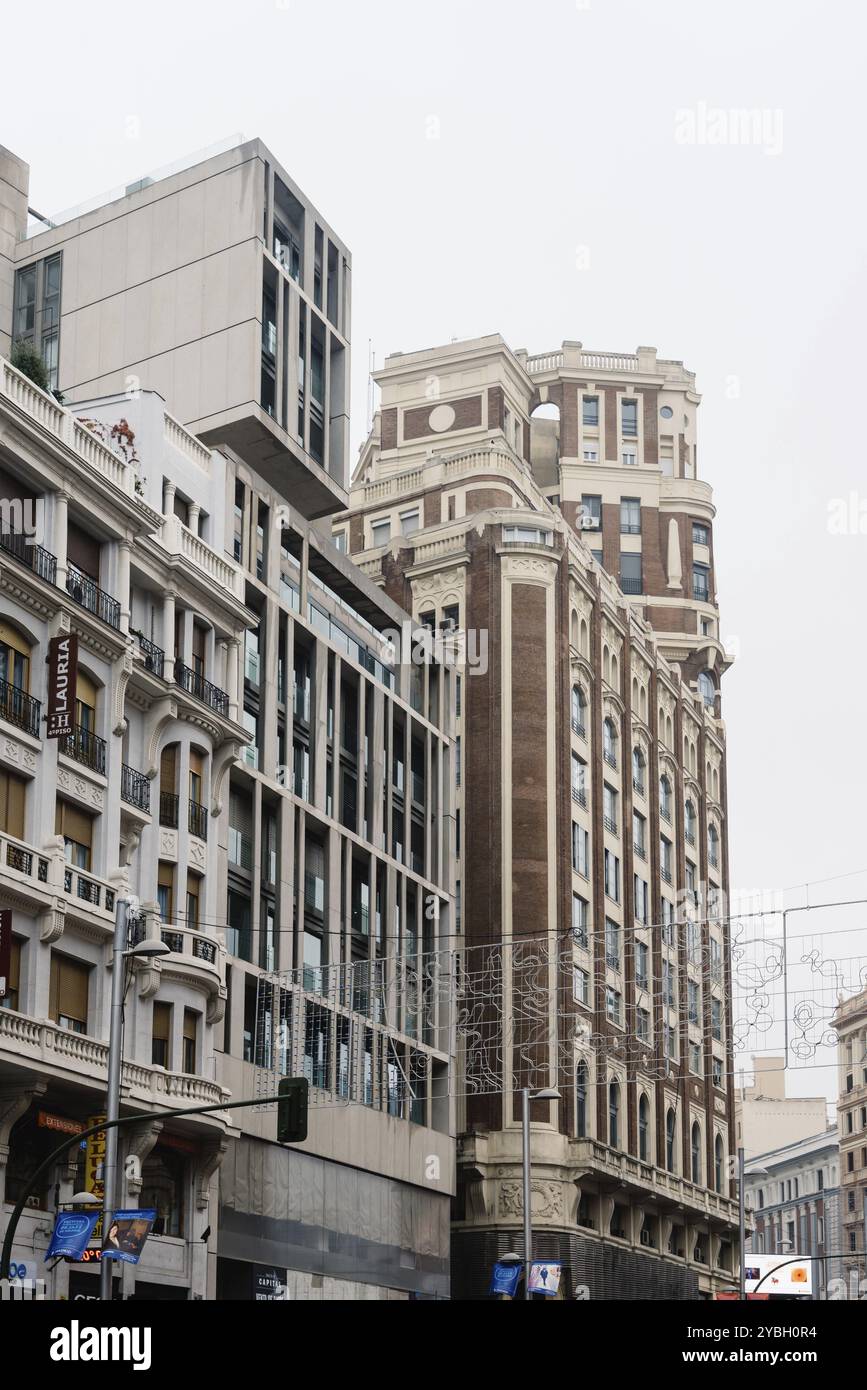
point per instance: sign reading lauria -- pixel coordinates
(62, 673)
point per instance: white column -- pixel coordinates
(58, 541)
(232, 649)
(169, 634)
(123, 594)
(195, 513)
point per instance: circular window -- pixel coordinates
(666, 412)
(441, 418)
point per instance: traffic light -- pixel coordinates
(294, 1092)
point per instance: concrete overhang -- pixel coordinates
(281, 460)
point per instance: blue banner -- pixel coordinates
(72, 1231)
(127, 1233)
(505, 1279)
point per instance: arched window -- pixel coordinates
(581, 1100)
(643, 1128)
(573, 630)
(613, 1114)
(713, 845)
(615, 672)
(689, 822)
(670, 1132)
(609, 743)
(718, 1163)
(665, 797)
(606, 665)
(584, 646)
(760, 1198)
(696, 1153)
(638, 766)
(579, 708)
(706, 688)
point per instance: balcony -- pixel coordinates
(48, 1048)
(665, 812)
(665, 875)
(638, 786)
(169, 802)
(701, 593)
(610, 757)
(20, 709)
(610, 825)
(689, 836)
(135, 789)
(630, 586)
(23, 859)
(154, 656)
(612, 960)
(86, 748)
(87, 594)
(184, 942)
(79, 884)
(579, 795)
(578, 728)
(638, 848)
(197, 821)
(40, 561)
(195, 684)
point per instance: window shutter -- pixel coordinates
(12, 791)
(68, 990)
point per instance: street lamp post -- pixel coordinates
(120, 951)
(526, 1097)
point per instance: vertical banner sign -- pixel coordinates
(5, 950)
(62, 672)
(94, 1161)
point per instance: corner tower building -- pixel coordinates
(549, 507)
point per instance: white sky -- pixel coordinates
(558, 130)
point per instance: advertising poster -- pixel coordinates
(127, 1233)
(505, 1279)
(72, 1231)
(545, 1277)
(779, 1274)
(94, 1159)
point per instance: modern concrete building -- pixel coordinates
(261, 766)
(766, 1118)
(850, 1024)
(550, 509)
(793, 1193)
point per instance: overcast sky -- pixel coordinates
(572, 170)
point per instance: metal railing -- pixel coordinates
(610, 757)
(169, 810)
(87, 594)
(195, 684)
(86, 748)
(135, 788)
(198, 820)
(20, 709)
(154, 656)
(579, 794)
(610, 825)
(578, 728)
(638, 786)
(639, 849)
(665, 812)
(631, 586)
(35, 557)
(665, 875)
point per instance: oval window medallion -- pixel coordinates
(441, 418)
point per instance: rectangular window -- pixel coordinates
(629, 419)
(613, 1005)
(699, 534)
(591, 511)
(642, 958)
(590, 412)
(193, 884)
(591, 455)
(580, 850)
(716, 1019)
(630, 516)
(630, 573)
(717, 1071)
(409, 522)
(380, 533)
(642, 1025)
(612, 944)
(609, 808)
(191, 1037)
(612, 876)
(579, 919)
(166, 891)
(641, 901)
(639, 834)
(701, 583)
(76, 827)
(68, 993)
(579, 787)
(629, 458)
(13, 979)
(665, 859)
(695, 1059)
(580, 986)
(12, 794)
(161, 1035)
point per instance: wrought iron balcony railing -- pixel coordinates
(169, 810)
(35, 557)
(87, 594)
(86, 748)
(198, 820)
(135, 789)
(20, 709)
(195, 684)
